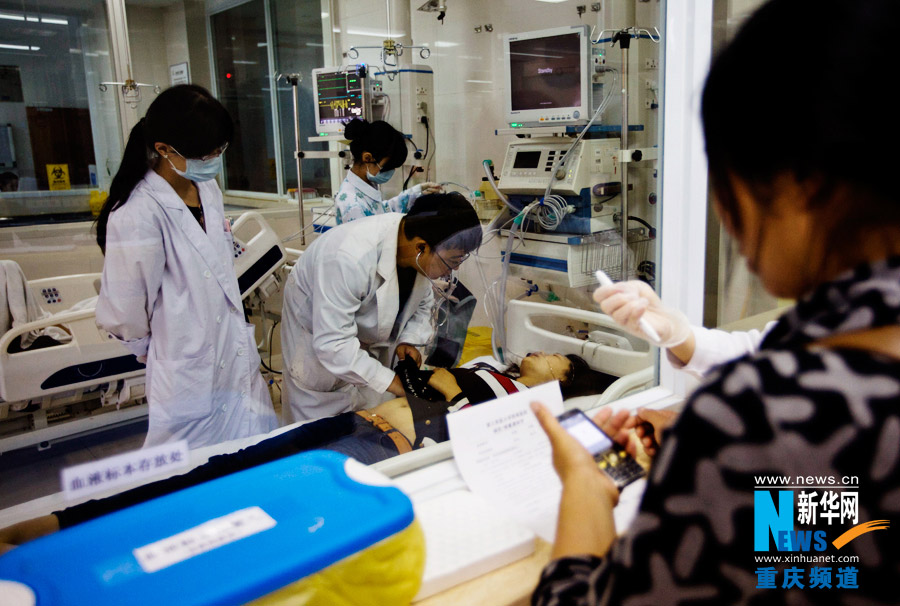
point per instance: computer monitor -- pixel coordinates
(548, 80)
(341, 95)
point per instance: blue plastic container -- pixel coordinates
(227, 541)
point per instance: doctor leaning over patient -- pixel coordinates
(169, 292)
(363, 291)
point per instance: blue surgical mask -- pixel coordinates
(381, 178)
(200, 170)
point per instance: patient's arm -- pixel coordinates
(444, 381)
(17, 534)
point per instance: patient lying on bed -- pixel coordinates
(373, 435)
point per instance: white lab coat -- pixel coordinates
(716, 347)
(357, 199)
(340, 323)
(169, 292)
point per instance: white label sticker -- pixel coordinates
(98, 476)
(205, 537)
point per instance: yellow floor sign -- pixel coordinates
(58, 176)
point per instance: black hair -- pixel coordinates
(579, 380)
(379, 139)
(7, 179)
(582, 380)
(186, 117)
(785, 99)
(444, 221)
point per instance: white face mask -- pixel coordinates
(200, 170)
(197, 169)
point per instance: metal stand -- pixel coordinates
(623, 38)
(294, 80)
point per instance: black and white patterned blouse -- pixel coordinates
(758, 423)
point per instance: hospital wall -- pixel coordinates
(468, 65)
(470, 91)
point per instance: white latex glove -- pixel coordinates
(430, 188)
(627, 302)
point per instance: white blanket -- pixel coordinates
(17, 304)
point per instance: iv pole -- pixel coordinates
(294, 80)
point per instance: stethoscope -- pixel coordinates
(442, 292)
(439, 316)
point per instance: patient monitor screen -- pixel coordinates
(545, 73)
(340, 96)
(527, 159)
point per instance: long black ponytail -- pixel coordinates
(186, 117)
(135, 162)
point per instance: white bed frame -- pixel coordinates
(543, 327)
(92, 364)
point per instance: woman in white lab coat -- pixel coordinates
(362, 292)
(169, 292)
(378, 149)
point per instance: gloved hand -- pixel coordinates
(430, 188)
(627, 302)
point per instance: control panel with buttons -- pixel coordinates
(529, 166)
(239, 248)
(51, 295)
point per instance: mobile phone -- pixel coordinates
(611, 457)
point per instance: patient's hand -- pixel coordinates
(443, 381)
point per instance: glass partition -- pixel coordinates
(298, 48)
(61, 135)
(460, 87)
(733, 293)
(243, 80)
(256, 45)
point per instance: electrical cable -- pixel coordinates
(465, 188)
(430, 157)
(650, 228)
(552, 214)
(271, 333)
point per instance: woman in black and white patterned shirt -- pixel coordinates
(818, 219)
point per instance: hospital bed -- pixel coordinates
(439, 494)
(60, 389)
(593, 336)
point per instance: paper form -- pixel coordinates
(505, 457)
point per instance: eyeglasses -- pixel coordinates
(215, 154)
(455, 264)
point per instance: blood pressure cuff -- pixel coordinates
(429, 420)
(415, 380)
(317, 528)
